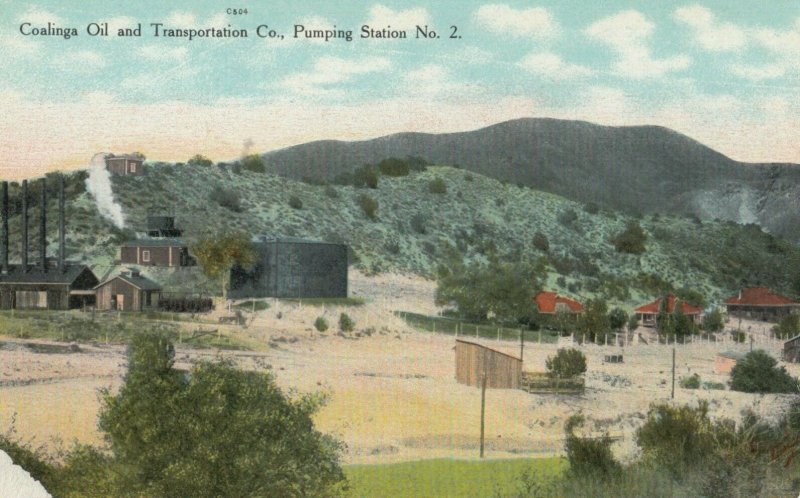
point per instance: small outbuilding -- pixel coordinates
(125, 164)
(725, 361)
(791, 350)
(761, 303)
(128, 291)
(648, 313)
(473, 360)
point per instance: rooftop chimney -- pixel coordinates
(4, 228)
(43, 229)
(61, 226)
(24, 256)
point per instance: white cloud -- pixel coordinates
(331, 71)
(628, 33)
(39, 17)
(710, 34)
(161, 53)
(552, 66)
(759, 72)
(80, 60)
(381, 16)
(536, 22)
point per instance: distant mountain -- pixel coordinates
(639, 169)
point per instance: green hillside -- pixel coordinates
(413, 226)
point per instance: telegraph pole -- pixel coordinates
(483, 407)
(673, 372)
(521, 343)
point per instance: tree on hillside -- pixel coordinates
(219, 431)
(631, 240)
(254, 163)
(682, 325)
(199, 160)
(788, 327)
(218, 254)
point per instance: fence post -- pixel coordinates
(540, 336)
(498, 334)
(606, 338)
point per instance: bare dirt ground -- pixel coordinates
(392, 393)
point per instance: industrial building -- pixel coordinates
(162, 247)
(289, 267)
(46, 284)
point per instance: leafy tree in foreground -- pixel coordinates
(595, 322)
(219, 431)
(617, 318)
(758, 372)
(218, 254)
(588, 456)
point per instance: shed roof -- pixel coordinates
(137, 281)
(155, 243)
(655, 306)
(489, 348)
(34, 275)
(547, 302)
(760, 296)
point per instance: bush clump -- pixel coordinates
(690, 382)
(254, 163)
(758, 372)
(227, 198)
(631, 240)
(346, 324)
(567, 363)
(541, 242)
(199, 160)
(368, 205)
(295, 202)
(437, 186)
(588, 456)
(321, 324)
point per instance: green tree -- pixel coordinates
(788, 327)
(631, 240)
(594, 321)
(588, 456)
(712, 321)
(368, 205)
(758, 372)
(567, 362)
(393, 167)
(437, 186)
(633, 322)
(541, 242)
(254, 163)
(321, 324)
(220, 431)
(682, 325)
(346, 324)
(295, 202)
(617, 318)
(199, 160)
(365, 176)
(218, 254)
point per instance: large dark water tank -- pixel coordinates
(290, 267)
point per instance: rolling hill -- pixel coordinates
(640, 169)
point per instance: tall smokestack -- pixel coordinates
(24, 256)
(43, 229)
(4, 227)
(61, 226)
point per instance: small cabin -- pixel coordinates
(156, 252)
(128, 291)
(125, 164)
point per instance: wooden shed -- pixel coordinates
(791, 350)
(128, 291)
(503, 371)
(156, 252)
(125, 164)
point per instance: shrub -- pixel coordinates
(295, 202)
(419, 223)
(227, 198)
(691, 382)
(368, 205)
(568, 217)
(738, 336)
(199, 160)
(331, 192)
(437, 186)
(566, 363)
(591, 208)
(254, 163)
(393, 167)
(588, 456)
(712, 322)
(365, 176)
(346, 324)
(758, 372)
(631, 240)
(321, 324)
(617, 318)
(541, 242)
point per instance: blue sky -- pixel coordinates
(725, 73)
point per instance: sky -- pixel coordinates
(723, 72)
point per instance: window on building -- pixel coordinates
(133, 167)
(146, 256)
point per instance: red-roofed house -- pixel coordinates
(761, 303)
(647, 313)
(550, 303)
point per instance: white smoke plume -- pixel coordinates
(99, 185)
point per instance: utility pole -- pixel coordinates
(673, 372)
(521, 343)
(483, 407)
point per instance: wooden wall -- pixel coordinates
(131, 302)
(503, 371)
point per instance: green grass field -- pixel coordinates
(446, 477)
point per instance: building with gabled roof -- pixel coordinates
(647, 313)
(550, 303)
(128, 291)
(125, 164)
(156, 252)
(761, 303)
